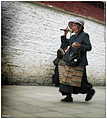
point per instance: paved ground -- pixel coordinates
(44, 101)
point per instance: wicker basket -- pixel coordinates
(70, 75)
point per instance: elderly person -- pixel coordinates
(78, 42)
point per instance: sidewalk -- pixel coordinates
(44, 102)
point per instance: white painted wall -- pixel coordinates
(32, 37)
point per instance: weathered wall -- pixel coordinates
(31, 37)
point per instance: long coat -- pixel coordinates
(83, 39)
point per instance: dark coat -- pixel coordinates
(83, 39)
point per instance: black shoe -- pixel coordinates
(67, 99)
(90, 94)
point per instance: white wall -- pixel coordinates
(32, 37)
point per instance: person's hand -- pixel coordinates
(66, 31)
(76, 45)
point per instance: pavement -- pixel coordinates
(44, 102)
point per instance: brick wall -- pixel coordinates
(31, 37)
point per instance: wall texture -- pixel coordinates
(31, 37)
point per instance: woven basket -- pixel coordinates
(70, 75)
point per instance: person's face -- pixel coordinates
(74, 27)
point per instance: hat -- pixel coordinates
(80, 21)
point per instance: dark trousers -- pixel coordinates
(55, 77)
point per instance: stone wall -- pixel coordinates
(31, 37)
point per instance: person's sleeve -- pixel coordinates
(64, 42)
(86, 45)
